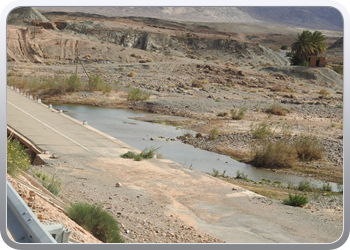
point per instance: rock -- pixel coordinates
(53, 156)
(118, 184)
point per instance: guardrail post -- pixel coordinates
(21, 221)
(25, 227)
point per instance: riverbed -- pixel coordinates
(121, 124)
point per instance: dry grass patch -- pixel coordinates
(277, 109)
(273, 154)
(309, 148)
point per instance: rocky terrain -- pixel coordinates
(199, 72)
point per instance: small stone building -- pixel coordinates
(317, 61)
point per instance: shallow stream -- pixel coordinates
(138, 134)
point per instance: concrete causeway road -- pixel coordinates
(56, 132)
(210, 205)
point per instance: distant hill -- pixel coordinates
(324, 18)
(338, 45)
(22, 15)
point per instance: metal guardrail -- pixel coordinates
(25, 227)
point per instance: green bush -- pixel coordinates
(74, 83)
(56, 85)
(296, 200)
(147, 153)
(136, 94)
(17, 158)
(95, 220)
(95, 82)
(338, 69)
(129, 155)
(284, 47)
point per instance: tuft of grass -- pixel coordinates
(95, 220)
(106, 88)
(147, 153)
(261, 130)
(304, 186)
(241, 175)
(327, 187)
(53, 184)
(215, 172)
(42, 176)
(238, 114)
(297, 200)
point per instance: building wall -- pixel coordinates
(313, 61)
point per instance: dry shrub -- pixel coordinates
(238, 114)
(273, 154)
(309, 148)
(213, 134)
(136, 94)
(197, 83)
(323, 93)
(277, 109)
(132, 74)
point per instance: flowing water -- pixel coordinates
(119, 124)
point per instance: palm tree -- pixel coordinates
(303, 45)
(307, 44)
(318, 40)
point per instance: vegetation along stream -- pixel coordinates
(138, 134)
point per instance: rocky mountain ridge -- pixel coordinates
(305, 17)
